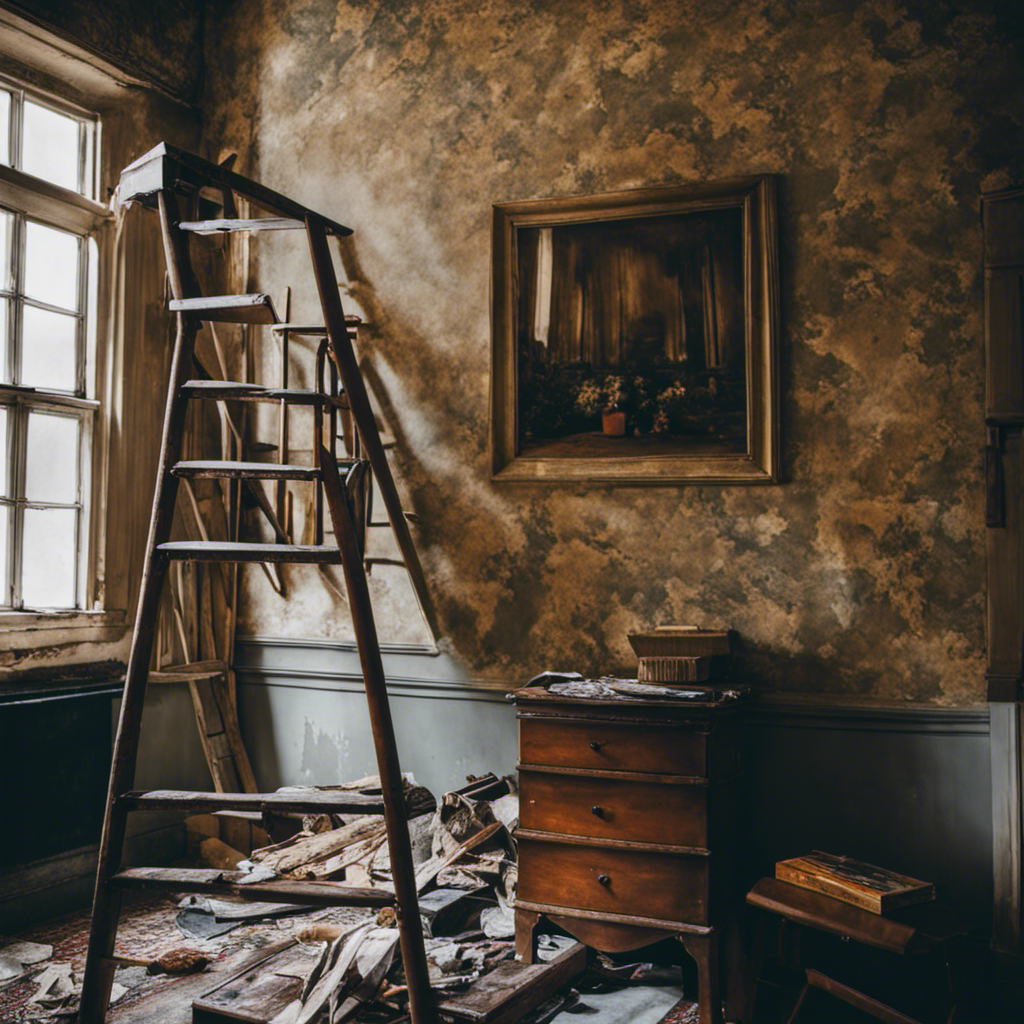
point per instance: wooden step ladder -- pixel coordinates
(163, 178)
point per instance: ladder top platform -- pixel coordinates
(165, 167)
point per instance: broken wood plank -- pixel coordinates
(320, 989)
(169, 1000)
(303, 850)
(227, 883)
(362, 854)
(258, 994)
(512, 989)
(428, 870)
(372, 963)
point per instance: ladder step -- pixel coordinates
(310, 801)
(316, 330)
(239, 391)
(232, 309)
(232, 551)
(410, 517)
(246, 470)
(224, 225)
(209, 669)
(225, 883)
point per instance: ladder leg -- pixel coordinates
(352, 381)
(421, 1003)
(99, 971)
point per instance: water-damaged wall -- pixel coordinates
(862, 573)
(160, 43)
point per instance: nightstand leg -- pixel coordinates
(704, 949)
(735, 993)
(526, 927)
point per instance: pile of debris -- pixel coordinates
(465, 858)
(466, 843)
(297, 965)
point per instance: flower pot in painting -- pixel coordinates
(614, 423)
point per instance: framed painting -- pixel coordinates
(634, 336)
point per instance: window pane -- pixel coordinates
(4, 489)
(51, 266)
(5, 375)
(48, 558)
(5, 586)
(48, 349)
(51, 460)
(6, 230)
(91, 315)
(50, 145)
(5, 136)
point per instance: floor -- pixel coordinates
(148, 930)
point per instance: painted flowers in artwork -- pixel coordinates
(660, 400)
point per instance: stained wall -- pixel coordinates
(861, 573)
(158, 43)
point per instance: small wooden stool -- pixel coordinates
(918, 929)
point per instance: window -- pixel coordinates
(48, 265)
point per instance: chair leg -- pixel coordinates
(799, 1004)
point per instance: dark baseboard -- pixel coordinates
(64, 883)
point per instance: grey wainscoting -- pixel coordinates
(908, 788)
(304, 719)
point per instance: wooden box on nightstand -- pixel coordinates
(629, 810)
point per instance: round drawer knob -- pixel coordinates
(604, 879)
(598, 812)
(594, 745)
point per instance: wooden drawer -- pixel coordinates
(661, 886)
(631, 746)
(581, 805)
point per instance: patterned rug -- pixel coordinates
(147, 929)
(684, 1012)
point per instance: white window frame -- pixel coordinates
(33, 199)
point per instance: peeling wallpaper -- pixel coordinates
(862, 573)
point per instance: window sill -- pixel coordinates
(16, 622)
(106, 682)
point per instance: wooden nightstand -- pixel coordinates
(628, 817)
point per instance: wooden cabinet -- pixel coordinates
(628, 823)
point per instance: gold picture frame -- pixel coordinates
(661, 304)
